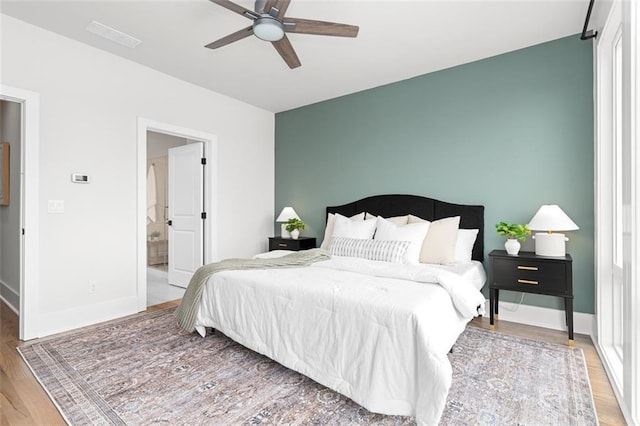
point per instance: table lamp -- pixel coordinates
(551, 218)
(286, 214)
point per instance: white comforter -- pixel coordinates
(376, 332)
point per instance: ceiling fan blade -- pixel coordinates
(309, 26)
(268, 5)
(284, 48)
(237, 9)
(238, 35)
(280, 6)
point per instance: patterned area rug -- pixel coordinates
(145, 370)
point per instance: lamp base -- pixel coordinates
(550, 244)
(283, 231)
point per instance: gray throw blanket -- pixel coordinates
(188, 310)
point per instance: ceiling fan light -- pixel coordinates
(268, 28)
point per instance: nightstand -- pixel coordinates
(528, 273)
(302, 243)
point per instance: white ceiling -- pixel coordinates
(398, 39)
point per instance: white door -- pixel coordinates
(186, 206)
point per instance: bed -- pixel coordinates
(374, 331)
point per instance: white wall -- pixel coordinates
(89, 104)
(10, 129)
(601, 9)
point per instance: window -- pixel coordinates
(617, 289)
(610, 194)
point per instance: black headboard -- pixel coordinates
(471, 217)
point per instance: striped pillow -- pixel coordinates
(383, 250)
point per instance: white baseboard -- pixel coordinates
(10, 297)
(544, 317)
(59, 321)
(10, 306)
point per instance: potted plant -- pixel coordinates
(294, 226)
(515, 234)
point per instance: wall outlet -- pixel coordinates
(55, 206)
(92, 287)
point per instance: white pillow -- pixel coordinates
(416, 219)
(464, 244)
(358, 229)
(328, 231)
(398, 220)
(414, 233)
(440, 243)
(381, 250)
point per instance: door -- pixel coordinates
(186, 208)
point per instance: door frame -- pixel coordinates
(623, 374)
(29, 325)
(210, 195)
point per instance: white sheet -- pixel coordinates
(362, 328)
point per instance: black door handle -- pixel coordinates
(169, 222)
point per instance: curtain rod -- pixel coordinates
(586, 35)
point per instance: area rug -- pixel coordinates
(145, 370)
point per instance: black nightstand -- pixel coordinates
(526, 272)
(302, 243)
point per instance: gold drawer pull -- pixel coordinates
(282, 244)
(527, 282)
(528, 268)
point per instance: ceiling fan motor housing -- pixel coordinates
(268, 28)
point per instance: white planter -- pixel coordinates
(512, 246)
(295, 234)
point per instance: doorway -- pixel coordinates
(159, 289)
(10, 203)
(29, 205)
(154, 238)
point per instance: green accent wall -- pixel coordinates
(510, 132)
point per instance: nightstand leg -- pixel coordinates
(568, 307)
(493, 306)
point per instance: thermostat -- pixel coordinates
(79, 178)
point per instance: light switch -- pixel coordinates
(55, 206)
(79, 178)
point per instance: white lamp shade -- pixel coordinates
(286, 214)
(550, 217)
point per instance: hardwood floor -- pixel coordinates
(22, 399)
(24, 402)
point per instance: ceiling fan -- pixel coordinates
(271, 24)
